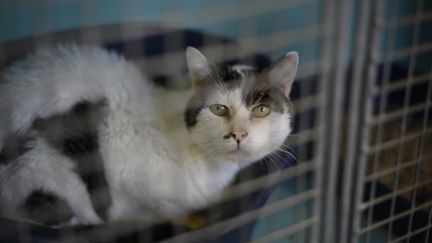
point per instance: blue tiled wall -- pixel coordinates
(24, 18)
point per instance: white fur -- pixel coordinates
(155, 169)
(44, 168)
(241, 68)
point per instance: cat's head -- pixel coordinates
(236, 113)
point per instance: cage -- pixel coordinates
(359, 164)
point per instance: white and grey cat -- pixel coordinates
(86, 139)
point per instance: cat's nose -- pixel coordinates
(237, 135)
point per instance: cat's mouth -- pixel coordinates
(237, 151)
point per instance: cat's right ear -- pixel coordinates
(283, 71)
(198, 65)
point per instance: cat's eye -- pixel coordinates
(219, 110)
(261, 111)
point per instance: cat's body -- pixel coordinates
(85, 138)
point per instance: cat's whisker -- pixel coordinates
(292, 152)
(275, 161)
(280, 160)
(290, 155)
(287, 150)
(268, 159)
(293, 156)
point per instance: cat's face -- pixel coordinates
(237, 114)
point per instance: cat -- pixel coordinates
(87, 139)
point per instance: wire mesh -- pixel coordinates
(362, 127)
(396, 127)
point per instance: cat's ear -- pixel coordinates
(282, 72)
(198, 65)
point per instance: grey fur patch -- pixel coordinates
(272, 97)
(15, 146)
(86, 142)
(224, 76)
(84, 117)
(47, 208)
(227, 73)
(75, 134)
(195, 105)
(231, 78)
(191, 116)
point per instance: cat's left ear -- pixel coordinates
(282, 72)
(198, 65)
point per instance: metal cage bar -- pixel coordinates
(355, 106)
(325, 51)
(364, 131)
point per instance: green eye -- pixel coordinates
(261, 111)
(219, 110)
